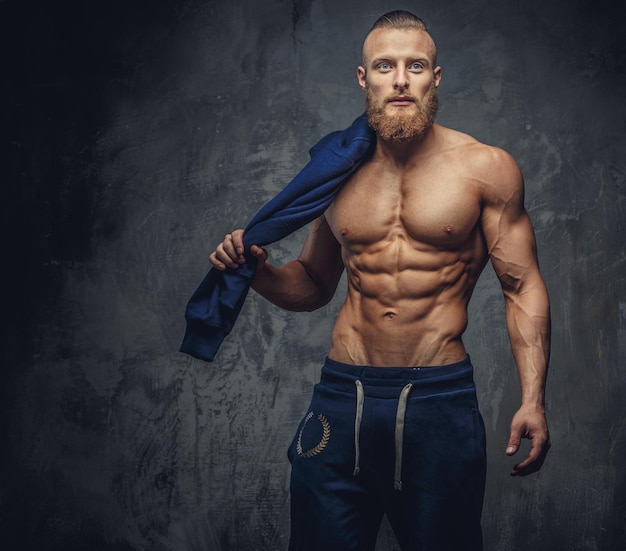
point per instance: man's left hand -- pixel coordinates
(529, 423)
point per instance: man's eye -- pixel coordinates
(417, 66)
(384, 66)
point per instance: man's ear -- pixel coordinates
(438, 74)
(360, 75)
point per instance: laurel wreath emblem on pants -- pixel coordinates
(322, 443)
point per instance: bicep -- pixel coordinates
(513, 251)
(508, 230)
(321, 255)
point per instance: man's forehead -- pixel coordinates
(388, 41)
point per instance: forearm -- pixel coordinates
(528, 323)
(291, 287)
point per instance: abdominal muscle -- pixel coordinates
(410, 315)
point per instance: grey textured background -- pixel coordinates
(138, 133)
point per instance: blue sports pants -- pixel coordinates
(405, 442)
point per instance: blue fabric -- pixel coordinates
(443, 462)
(213, 309)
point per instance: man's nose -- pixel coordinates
(401, 79)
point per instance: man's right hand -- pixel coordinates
(229, 253)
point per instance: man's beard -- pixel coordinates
(404, 125)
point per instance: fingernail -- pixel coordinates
(510, 449)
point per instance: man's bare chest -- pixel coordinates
(439, 209)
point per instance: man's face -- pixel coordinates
(400, 81)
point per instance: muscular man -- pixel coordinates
(393, 427)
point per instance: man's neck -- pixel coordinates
(406, 152)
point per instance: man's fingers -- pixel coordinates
(229, 253)
(221, 260)
(259, 252)
(237, 241)
(529, 423)
(513, 445)
(524, 466)
(528, 466)
(231, 246)
(534, 461)
(515, 439)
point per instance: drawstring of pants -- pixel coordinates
(400, 414)
(360, 396)
(399, 431)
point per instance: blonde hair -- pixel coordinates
(401, 19)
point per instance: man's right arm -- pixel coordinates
(304, 284)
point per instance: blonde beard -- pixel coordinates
(403, 126)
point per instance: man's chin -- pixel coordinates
(400, 128)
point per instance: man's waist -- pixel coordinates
(396, 343)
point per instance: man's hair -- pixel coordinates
(401, 19)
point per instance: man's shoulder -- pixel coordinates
(493, 171)
(470, 146)
(476, 155)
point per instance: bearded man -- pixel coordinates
(394, 427)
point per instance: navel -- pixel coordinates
(389, 315)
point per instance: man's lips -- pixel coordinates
(401, 100)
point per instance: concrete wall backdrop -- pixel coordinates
(139, 132)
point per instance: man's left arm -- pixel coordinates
(512, 249)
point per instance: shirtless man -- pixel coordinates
(393, 426)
